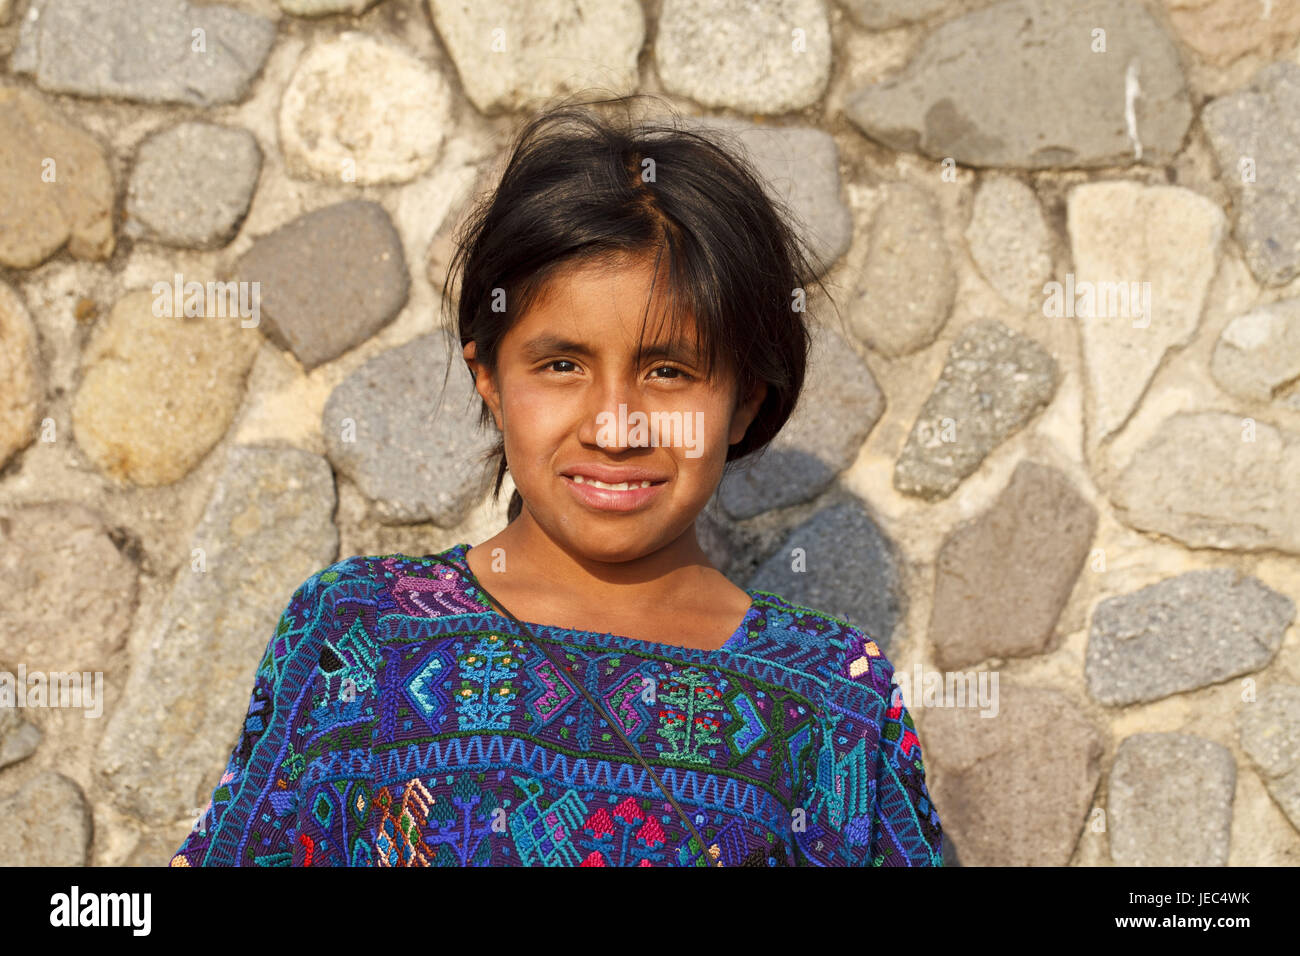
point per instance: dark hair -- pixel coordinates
(573, 192)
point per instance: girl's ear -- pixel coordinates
(484, 384)
(746, 412)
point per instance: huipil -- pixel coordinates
(397, 719)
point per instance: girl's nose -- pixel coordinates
(608, 415)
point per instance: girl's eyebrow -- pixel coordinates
(547, 343)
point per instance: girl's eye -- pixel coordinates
(680, 374)
(672, 368)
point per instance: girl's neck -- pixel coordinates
(524, 560)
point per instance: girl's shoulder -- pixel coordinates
(827, 647)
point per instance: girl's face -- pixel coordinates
(569, 396)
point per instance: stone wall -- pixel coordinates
(1050, 443)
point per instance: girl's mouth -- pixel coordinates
(627, 496)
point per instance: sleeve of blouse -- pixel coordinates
(251, 816)
(867, 798)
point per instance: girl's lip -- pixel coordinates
(605, 499)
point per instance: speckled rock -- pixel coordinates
(1009, 240)
(192, 184)
(1255, 134)
(1186, 632)
(1269, 731)
(904, 294)
(415, 451)
(993, 382)
(1170, 801)
(772, 57)
(92, 48)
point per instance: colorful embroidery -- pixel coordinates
(398, 720)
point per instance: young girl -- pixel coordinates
(584, 688)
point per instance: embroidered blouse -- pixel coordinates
(397, 719)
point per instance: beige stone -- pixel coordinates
(159, 391)
(1221, 31)
(55, 185)
(21, 386)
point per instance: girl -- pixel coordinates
(584, 688)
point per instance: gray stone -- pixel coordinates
(67, 593)
(801, 168)
(192, 184)
(839, 406)
(1170, 801)
(157, 392)
(1269, 730)
(1144, 257)
(18, 739)
(143, 50)
(1183, 633)
(330, 279)
(514, 57)
(745, 56)
(47, 823)
(1002, 579)
(905, 292)
(55, 186)
(993, 382)
(1018, 84)
(1014, 789)
(364, 111)
(846, 568)
(267, 528)
(1215, 480)
(22, 385)
(1257, 356)
(1255, 134)
(414, 450)
(1009, 240)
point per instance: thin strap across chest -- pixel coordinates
(635, 751)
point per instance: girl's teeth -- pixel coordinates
(621, 486)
